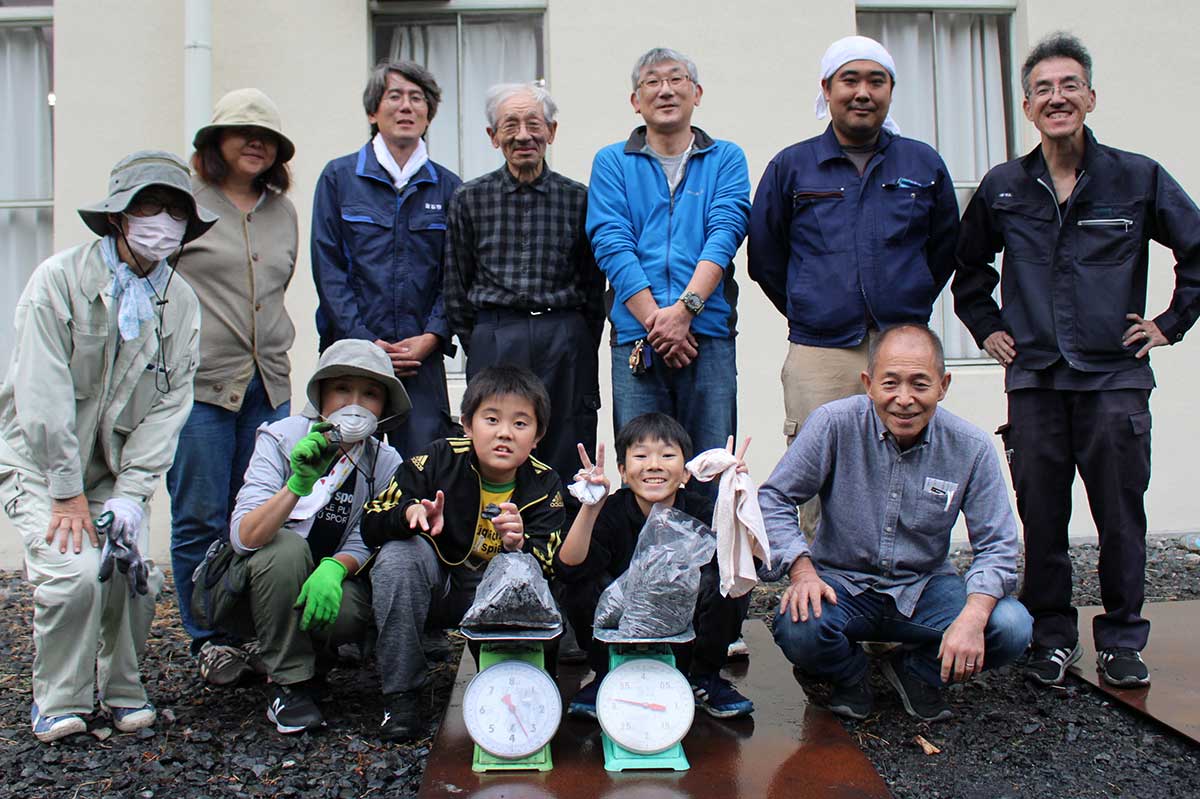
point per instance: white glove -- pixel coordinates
(127, 518)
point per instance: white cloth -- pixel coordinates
(737, 521)
(400, 175)
(842, 52)
(134, 294)
(587, 493)
(301, 517)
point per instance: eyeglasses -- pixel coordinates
(674, 81)
(1068, 88)
(154, 205)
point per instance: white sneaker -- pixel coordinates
(132, 719)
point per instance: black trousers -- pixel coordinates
(718, 623)
(1106, 436)
(557, 347)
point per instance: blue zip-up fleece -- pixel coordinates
(377, 252)
(834, 251)
(643, 237)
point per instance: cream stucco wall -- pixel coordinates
(119, 85)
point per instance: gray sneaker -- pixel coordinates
(221, 664)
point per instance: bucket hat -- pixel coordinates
(359, 358)
(246, 107)
(135, 172)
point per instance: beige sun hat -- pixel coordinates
(246, 107)
(137, 171)
(359, 358)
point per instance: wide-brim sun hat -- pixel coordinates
(140, 170)
(246, 108)
(360, 358)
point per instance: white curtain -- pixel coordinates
(25, 167)
(494, 52)
(950, 92)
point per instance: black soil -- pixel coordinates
(1006, 740)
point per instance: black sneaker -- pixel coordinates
(1048, 665)
(583, 704)
(293, 710)
(717, 697)
(401, 717)
(1122, 667)
(853, 701)
(919, 697)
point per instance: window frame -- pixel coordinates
(30, 17)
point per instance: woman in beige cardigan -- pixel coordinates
(240, 273)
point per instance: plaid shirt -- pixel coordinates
(520, 246)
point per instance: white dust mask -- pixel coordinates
(155, 237)
(354, 422)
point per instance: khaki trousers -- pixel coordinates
(74, 614)
(813, 376)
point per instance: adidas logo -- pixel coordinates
(387, 716)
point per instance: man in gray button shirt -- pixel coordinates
(893, 472)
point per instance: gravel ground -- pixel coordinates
(1007, 740)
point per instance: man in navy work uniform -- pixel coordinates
(1074, 219)
(667, 211)
(851, 231)
(378, 231)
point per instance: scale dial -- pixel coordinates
(645, 705)
(512, 709)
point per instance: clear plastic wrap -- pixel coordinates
(656, 596)
(513, 595)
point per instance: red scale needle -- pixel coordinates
(647, 705)
(512, 708)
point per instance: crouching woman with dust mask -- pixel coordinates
(295, 526)
(98, 388)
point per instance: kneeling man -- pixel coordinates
(893, 472)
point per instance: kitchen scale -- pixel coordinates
(645, 706)
(512, 707)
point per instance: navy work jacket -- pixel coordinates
(377, 252)
(835, 251)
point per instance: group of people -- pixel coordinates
(370, 516)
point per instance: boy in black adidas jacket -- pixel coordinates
(446, 512)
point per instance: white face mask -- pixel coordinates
(154, 237)
(354, 422)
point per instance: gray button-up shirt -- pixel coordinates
(887, 514)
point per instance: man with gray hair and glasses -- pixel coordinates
(1074, 219)
(521, 284)
(667, 211)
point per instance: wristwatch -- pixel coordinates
(691, 300)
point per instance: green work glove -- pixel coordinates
(321, 594)
(310, 460)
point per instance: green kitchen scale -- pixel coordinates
(645, 706)
(512, 707)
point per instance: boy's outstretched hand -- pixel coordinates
(742, 468)
(427, 516)
(591, 485)
(510, 527)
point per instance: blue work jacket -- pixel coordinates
(377, 252)
(835, 251)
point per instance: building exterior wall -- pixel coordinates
(757, 63)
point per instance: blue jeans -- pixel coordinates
(827, 647)
(702, 396)
(210, 462)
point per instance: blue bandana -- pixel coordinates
(136, 295)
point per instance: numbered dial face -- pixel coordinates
(512, 709)
(645, 705)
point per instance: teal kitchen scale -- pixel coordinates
(645, 706)
(512, 707)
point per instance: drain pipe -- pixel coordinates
(197, 69)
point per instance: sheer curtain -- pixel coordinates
(494, 51)
(951, 92)
(25, 167)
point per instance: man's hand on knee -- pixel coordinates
(807, 588)
(962, 646)
(69, 520)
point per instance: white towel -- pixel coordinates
(303, 515)
(842, 52)
(737, 521)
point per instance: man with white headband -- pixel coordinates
(99, 386)
(851, 231)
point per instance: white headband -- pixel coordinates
(842, 52)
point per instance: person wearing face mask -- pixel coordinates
(240, 271)
(98, 388)
(295, 526)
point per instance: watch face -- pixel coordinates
(512, 709)
(645, 705)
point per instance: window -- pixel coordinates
(469, 47)
(26, 173)
(955, 93)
